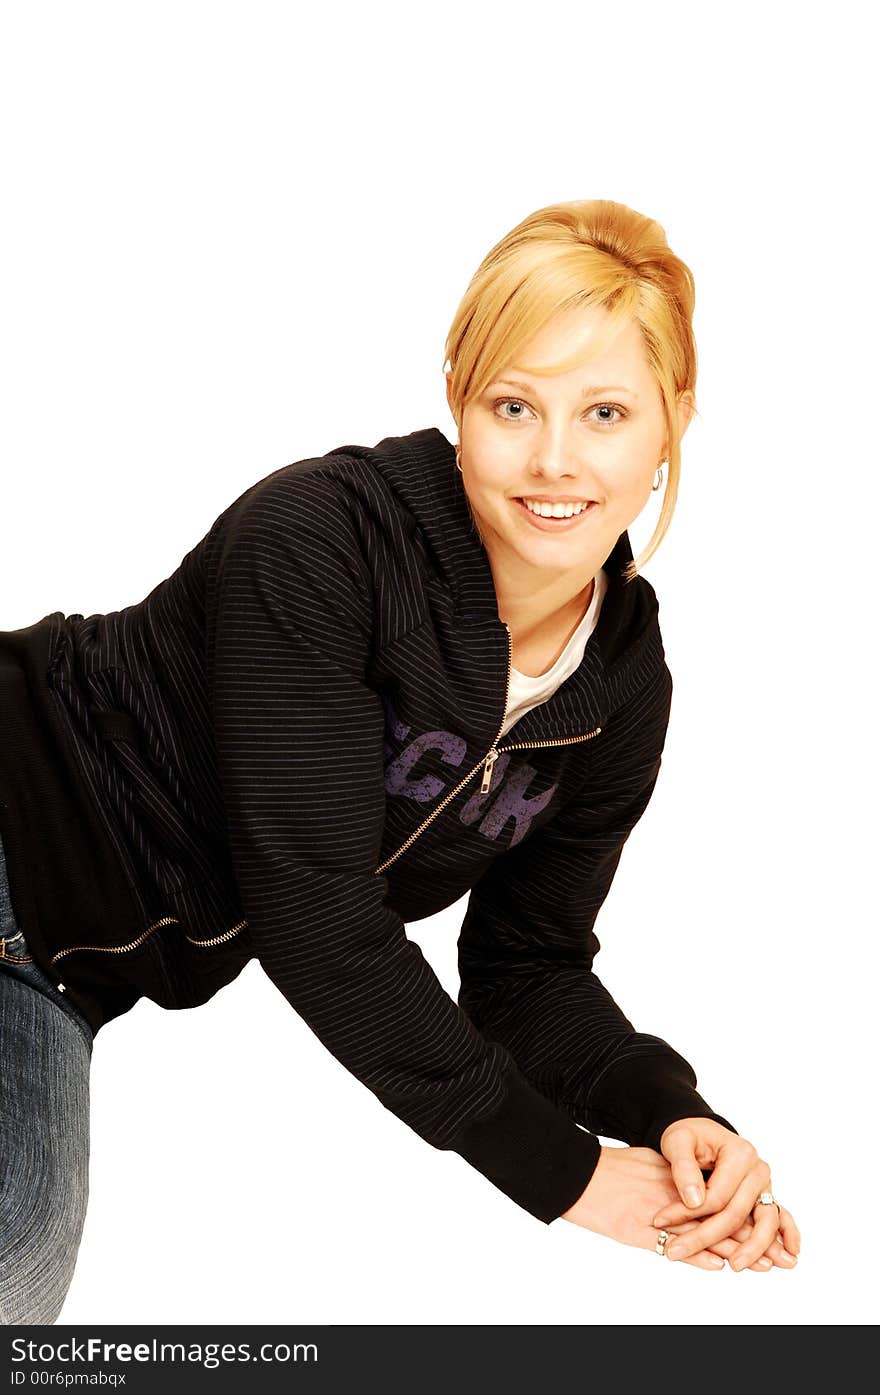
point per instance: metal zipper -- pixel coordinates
(116, 949)
(133, 944)
(219, 939)
(486, 764)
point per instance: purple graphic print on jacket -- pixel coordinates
(507, 799)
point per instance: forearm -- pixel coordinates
(572, 1041)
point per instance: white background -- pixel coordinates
(234, 235)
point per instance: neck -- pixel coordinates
(538, 604)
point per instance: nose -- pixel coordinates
(554, 458)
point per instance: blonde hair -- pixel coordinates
(587, 252)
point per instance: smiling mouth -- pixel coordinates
(556, 520)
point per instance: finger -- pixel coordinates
(780, 1252)
(775, 1253)
(733, 1165)
(766, 1225)
(780, 1255)
(722, 1225)
(705, 1260)
(725, 1248)
(790, 1234)
(687, 1175)
(762, 1265)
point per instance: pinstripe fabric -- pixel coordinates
(285, 745)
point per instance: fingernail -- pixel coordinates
(661, 1219)
(738, 1263)
(693, 1195)
(675, 1251)
(716, 1261)
(787, 1258)
(765, 1263)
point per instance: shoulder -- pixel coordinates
(317, 511)
(637, 726)
(295, 542)
(321, 497)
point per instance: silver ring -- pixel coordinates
(660, 1246)
(766, 1199)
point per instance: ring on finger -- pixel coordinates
(768, 1199)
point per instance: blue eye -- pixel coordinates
(509, 401)
(599, 407)
(608, 407)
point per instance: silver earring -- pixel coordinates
(658, 478)
(458, 457)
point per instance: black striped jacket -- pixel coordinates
(289, 749)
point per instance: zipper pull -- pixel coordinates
(3, 947)
(487, 771)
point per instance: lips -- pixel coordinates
(562, 499)
(555, 525)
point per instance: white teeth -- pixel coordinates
(546, 510)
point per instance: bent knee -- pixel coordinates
(41, 1225)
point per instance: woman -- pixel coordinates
(384, 678)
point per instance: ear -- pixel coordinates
(686, 408)
(449, 388)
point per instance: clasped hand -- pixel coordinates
(636, 1191)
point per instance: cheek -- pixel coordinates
(489, 479)
(628, 470)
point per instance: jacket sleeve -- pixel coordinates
(300, 747)
(527, 947)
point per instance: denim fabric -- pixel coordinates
(45, 1060)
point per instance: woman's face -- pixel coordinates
(594, 435)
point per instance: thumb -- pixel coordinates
(680, 1151)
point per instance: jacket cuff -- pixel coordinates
(532, 1151)
(639, 1096)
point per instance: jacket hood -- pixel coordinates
(625, 650)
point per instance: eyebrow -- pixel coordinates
(590, 391)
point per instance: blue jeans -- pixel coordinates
(45, 1059)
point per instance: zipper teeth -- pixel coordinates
(219, 939)
(460, 786)
(116, 949)
(507, 686)
(133, 944)
(496, 749)
(430, 819)
(563, 741)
